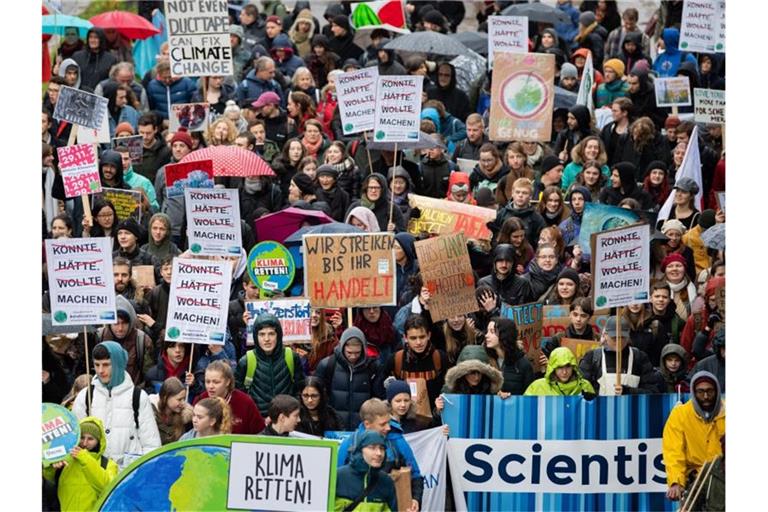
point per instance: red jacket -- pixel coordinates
(246, 418)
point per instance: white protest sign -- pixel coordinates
(507, 34)
(198, 37)
(213, 221)
(672, 91)
(80, 107)
(80, 279)
(621, 259)
(199, 301)
(95, 136)
(709, 106)
(293, 314)
(356, 93)
(398, 108)
(702, 26)
(290, 476)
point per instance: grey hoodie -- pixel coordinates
(63, 70)
(706, 416)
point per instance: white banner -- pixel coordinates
(356, 93)
(213, 221)
(709, 106)
(703, 26)
(198, 37)
(620, 266)
(429, 448)
(398, 108)
(507, 34)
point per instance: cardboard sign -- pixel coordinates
(79, 170)
(448, 276)
(522, 97)
(709, 106)
(213, 221)
(199, 301)
(82, 286)
(61, 433)
(398, 108)
(198, 38)
(672, 91)
(144, 275)
(557, 318)
(80, 107)
(402, 480)
(99, 135)
(345, 270)
(600, 217)
(293, 314)
(192, 116)
(621, 271)
(135, 145)
(578, 347)
(356, 93)
(507, 34)
(127, 203)
(443, 217)
(271, 266)
(197, 174)
(528, 319)
(702, 27)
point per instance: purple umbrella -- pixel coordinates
(279, 225)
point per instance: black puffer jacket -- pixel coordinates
(514, 289)
(349, 385)
(94, 66)
(518, 374)
(629, 188)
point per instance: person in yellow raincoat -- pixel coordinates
(692, 433)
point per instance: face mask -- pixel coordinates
(253, 186)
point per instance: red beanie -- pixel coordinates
(670, 258)
(182, 136)
(124, 127)
(712, 285)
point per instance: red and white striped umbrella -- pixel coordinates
(232, 161)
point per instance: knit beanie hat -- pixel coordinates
(587, 18)
(548, 162)
(90, 428)
(569, 273)
(342, 21)
(124, 127)
(368, 438)
(673, 224)
(707, 219)
(616, 65)
(672, 258)
(304, 182)
(395, 387)
(274, 19)
(182, 136)
(568, 71)
(671, 122)
(237, 30)
(132, 226)
(327, 169)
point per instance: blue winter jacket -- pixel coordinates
(181, 92)
(251, 88)
(668, 63)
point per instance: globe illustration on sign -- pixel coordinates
(270, 266)
(524, 95)
(185, 478)
(614, 222)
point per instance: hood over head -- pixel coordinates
(673, 348)
(689, 69)
(268, 320)
(408, 243)
(584, 192)
(400, 172)
(452, 84)
(582, 115)
(433, 115)
(504, 252)
(698, 377)
(561, 356)
(627, 175)
(95, 426)
(119, 359)
(63, 70)
(474, 358)
(671, 37)
(102, 39)
(125, 309)
(364, 215)
(282, 42)
(348, 334)
(384, 197)
(113, 158)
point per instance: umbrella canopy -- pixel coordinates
(469, 68)
(127, 23)
(231, 161)
(475, 41)
(323, 229)
(57, 23)
(363, 34)
(427, 42)
(537, 12)
(564, 98)
(279, 225)
(714, 237)
(424, 142)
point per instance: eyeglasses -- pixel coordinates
(706, 392)
(373, 188)
(547, 256)
(308, 396)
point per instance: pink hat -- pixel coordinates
(266, 98)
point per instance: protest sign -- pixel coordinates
(578, 347)
(98, 135)
(702, 27)
(443, 217)
(144, 275)
(621, 266)
(199, 301)
(466, 165)
(135, 145)
(61, 432)
(213, 221)
(397, 114)
(356, 93)
(80, 279)
(529, 320)
(79, 170)
(293, 314)
(720, 196)
(507, 34)
(191, 116)
(672, 91)
(80, 107)
(198, 38)
(600, 217)
(557, 318)
(709, 106)
(127, 203)
(270, 266)
(349, 270)
(196, 174)
(448, 277)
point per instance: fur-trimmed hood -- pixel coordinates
(463, 368)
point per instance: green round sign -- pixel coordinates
(380, 135)
(196, 248)
(271, 266)
(173, 333)
(61, 432)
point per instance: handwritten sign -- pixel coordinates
(528, 319)
(702, 27)
(98, 135)
(213, 221)
(198, 38)
(197, 174)
(61, 433)
(127, 203)
(557, 318)
(709, 106)
(522, 97)
(144, 275)
(135, 145)
(443, 217)
(293, 314)
(199, 301)
(672, 91)
(620, 266)
(349, 270)
(507, 34)
(448, 277)
(82, 286)
(398, 108)
(79, 170)
(192, 116)
(80, 107)
(356, 92)
(579, 347)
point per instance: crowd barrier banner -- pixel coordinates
(557, 453)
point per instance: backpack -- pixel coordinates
(398, 371)
(251, 361)
(135, 402)
(103, 463)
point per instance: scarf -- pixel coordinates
(175, 371)
(535, 158)
(542, 279)
(364, 201)
(584, 32)
(312, 148)
(682, 293)
(345, 166)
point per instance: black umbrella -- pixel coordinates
(427, 42)
(537, 12)
(475, 41)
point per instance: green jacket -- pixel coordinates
(548, 385)
(83, 479)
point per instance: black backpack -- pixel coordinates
(135, 402)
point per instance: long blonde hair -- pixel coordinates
(219, 410)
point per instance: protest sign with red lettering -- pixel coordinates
(398, 108)
(528, 319)
(507, 34)
(79, 170)
(557, 318)
(620, 261)
(293, 314)
(443, 217)
(213, 221)
(356, 92)
(196, 174)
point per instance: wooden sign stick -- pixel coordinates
(87, 367)
(619, 348)
(392, 195)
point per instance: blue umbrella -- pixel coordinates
(323, 229)
(57, 23)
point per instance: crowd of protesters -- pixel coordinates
(281, 104)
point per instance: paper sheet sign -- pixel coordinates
(709, 106)
(356, 93)
(621, 266)
(293, 314)
(702, 26)
(213, 221)
(79, 170)
(398, 108)
(135, 145)
(672, 91)
(507, 34)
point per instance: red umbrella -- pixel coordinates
(280, 225)
(127, 23)
(231, 161)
